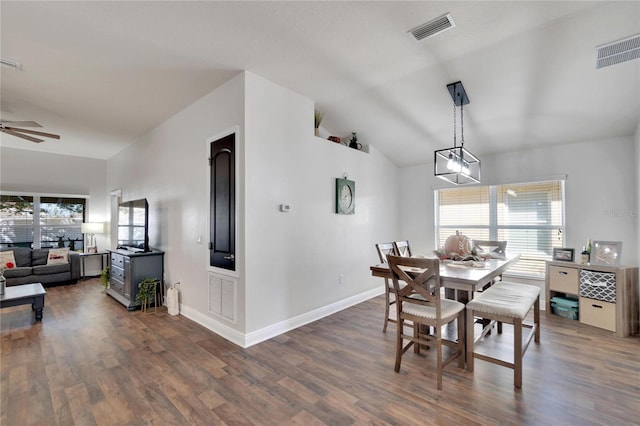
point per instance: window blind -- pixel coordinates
(16, 221)
(41, 221)
(529, 216)
(61, 220)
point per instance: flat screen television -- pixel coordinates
(133, 225)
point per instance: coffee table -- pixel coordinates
(23, 295)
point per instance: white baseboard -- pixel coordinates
(250, 339)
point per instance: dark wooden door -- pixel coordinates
(222, 245)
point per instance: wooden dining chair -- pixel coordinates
(420, 302)
(383, 250)
(402, 248)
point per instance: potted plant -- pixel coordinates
(319, 116)
(104, 278)
(146, 290)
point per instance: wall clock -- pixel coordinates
(345, 196)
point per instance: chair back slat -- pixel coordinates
(493, 247)
(422, 276)
(402, 248)
(385, 249)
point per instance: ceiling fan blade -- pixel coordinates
(20, 135)
(33, 132)
(20, 123)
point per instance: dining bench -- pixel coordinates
(509, 303)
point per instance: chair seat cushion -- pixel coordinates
(449, 308)
(505, 298)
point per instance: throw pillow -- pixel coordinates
(7, 260)
(57, 256)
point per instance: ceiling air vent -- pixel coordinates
(619, 51)
(433, 27)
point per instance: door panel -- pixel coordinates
(222, 246)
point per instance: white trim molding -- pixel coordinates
(250, 339)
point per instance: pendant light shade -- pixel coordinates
(456, 164)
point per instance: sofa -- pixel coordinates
(41, 266)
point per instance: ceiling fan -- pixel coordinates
(15, 128)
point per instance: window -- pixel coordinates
(529, 216)
(16, 221)
(41, 221)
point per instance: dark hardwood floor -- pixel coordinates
(92, 362)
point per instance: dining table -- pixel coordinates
(462, 278)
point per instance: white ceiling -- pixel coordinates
(103, 73)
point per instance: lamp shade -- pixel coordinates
(93, 228)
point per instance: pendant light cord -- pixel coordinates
(461, 123)
(454, 125)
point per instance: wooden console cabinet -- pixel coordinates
(607, 295)
(127, 268)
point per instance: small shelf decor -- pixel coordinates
(563, 254)
(606, 253)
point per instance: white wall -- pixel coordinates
(288, 263)
(294, 259)
(637, 210)
(37, 172)
(601, 191)
(169, 167)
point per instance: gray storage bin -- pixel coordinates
(598, 285)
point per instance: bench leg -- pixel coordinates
(517, 352)
(536, 319)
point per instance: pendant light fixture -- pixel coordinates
(456, 164)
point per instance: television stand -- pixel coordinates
(127, 268)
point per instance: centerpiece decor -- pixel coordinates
(458, 247)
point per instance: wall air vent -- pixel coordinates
(433, 27)
(618, 51)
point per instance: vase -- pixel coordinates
(317, 131)
(355, 145)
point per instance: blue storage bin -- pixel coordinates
(564, 307)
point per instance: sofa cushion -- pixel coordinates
(7, 260)
(17, 272)
(22, 255)
(58, 256)
(51, 269)
(39, 257)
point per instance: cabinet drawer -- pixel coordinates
(116, 285)
(563, 279)
(598, 313)
(117, 273)
(117, 260)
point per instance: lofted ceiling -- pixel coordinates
(102, 73)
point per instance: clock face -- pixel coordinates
(345, 196)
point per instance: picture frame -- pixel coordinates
(563, 254)
(606, 253)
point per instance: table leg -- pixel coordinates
(38, 306)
